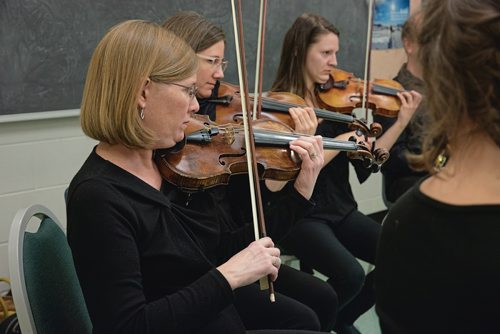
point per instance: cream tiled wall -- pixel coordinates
(38, 158)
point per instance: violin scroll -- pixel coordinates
(371, 158)
(381, 155)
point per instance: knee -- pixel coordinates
(308, 320)
(352, 276)
(326, 298)
(326, 306)
(349, 282)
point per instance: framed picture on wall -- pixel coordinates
(387, 22)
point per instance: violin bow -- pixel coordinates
(259, 64)
(366, 75)
(380, 154)
(255, 193)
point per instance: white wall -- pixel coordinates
(38, 158)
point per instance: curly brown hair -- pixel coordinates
(460, 56)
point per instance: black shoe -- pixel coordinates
(346, 329)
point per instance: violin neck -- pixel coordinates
(224, 100)
(333, 116)
(264, 137)
(273, 105)
(384, 90)
(271, 138)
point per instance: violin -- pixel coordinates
(275, 106)
(343, 92)
(213, 152)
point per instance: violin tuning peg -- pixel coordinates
(367, 163)
(375, 168)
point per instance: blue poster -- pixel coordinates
(388, 19)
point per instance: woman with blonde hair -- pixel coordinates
(144, 264)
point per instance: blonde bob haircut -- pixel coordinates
(129, 54)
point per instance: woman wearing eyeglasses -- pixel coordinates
(302, 301)
(144, 263)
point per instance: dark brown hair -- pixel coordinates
(304, 31)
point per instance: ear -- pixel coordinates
(408, 46)
(144, 93)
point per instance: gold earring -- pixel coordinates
(440, 161)
(142, 113)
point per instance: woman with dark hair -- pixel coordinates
(438, 261)
(303, 301)
(334, 233)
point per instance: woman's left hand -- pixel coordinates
(304, 119)
(410, 100)
(310, 150)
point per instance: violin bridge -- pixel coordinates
(229, 135)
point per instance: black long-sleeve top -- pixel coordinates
(333, 194)
(145, 264)
(229, 205)
(232, 207)
(438, 267)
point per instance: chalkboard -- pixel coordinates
(45, 46)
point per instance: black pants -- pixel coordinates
(302, 302)
(332, 250)
(283, 331)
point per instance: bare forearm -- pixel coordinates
(390, 136)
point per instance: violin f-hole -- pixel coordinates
(223, 156)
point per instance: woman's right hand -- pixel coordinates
(257, 260)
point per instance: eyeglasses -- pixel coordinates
(190, 90)
(215, 61)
